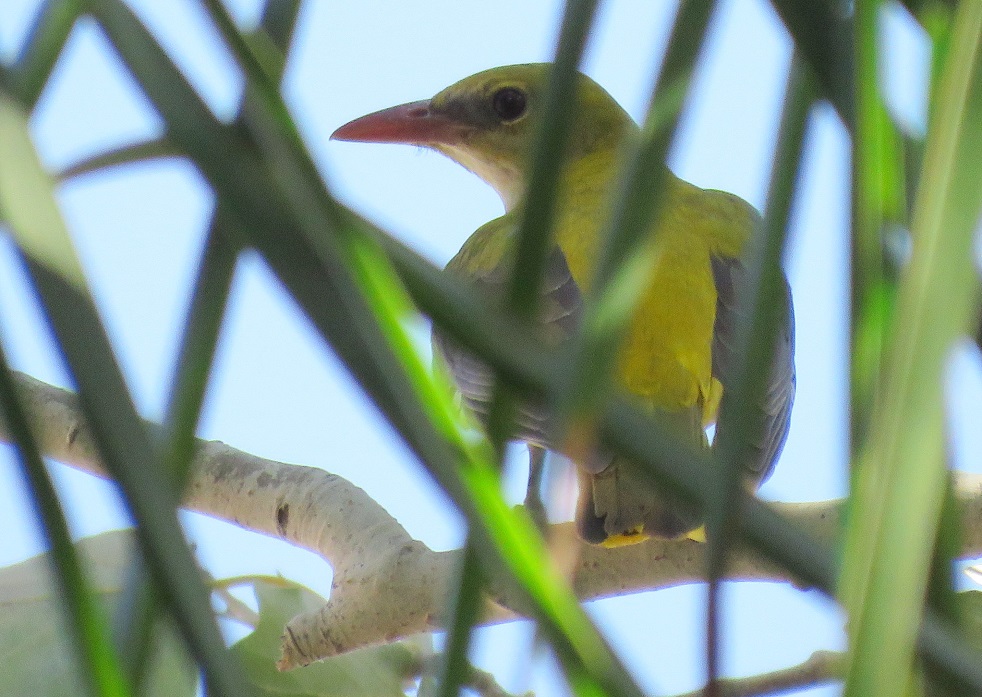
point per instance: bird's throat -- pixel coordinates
(499, 174)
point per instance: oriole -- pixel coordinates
(677, 355)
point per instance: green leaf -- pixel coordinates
(900, 484)
(187, 393)
(878, 206)
(143, 151)
(821, 32)
(36, 657)
(27, 201)
(465, 608)
(330, 261)
(296, 227)
(739, 426)
(200, 336)
(535, 227)
(87, 624)
(970, 611)
(370, 672)
(28, 205)
(624, 268)
(522, 299)
(278, 22)
(52, 26)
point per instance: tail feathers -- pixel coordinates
(621, 505)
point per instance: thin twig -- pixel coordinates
(821, 667)
(478, 680)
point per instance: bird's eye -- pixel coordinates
(508, 103)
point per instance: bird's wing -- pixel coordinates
(560, 309)
(775, 404)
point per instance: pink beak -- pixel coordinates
(414, 124)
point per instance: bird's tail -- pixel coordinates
(621, 504)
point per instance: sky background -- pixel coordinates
(277, 390)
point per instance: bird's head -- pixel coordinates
(487, 122)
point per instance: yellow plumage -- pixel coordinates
(666, 356)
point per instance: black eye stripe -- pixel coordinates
(508, 103)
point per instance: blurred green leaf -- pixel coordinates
(334, 265)
(538, 211)
(970, 610)
(878, 209)
(143, 151)
(900, 483)
(28, 205)
(278, 22)
(27, 201)
(370, 672)
(198, 343)
(208, 301)
(534, 240)
(740, 421)
(941, 594)
(296, 227)
(821, 30)
(624, 268)
(88, 626)
(464, 612)
(52, 26)
(36, 657)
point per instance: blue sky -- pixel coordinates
(277, 391)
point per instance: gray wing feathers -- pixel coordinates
(560, 308)
(775, 405)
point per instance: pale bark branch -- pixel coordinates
(386, 584)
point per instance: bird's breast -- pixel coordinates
(666, 355)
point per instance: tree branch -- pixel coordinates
(386, 584)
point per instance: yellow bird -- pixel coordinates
(677, 355)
